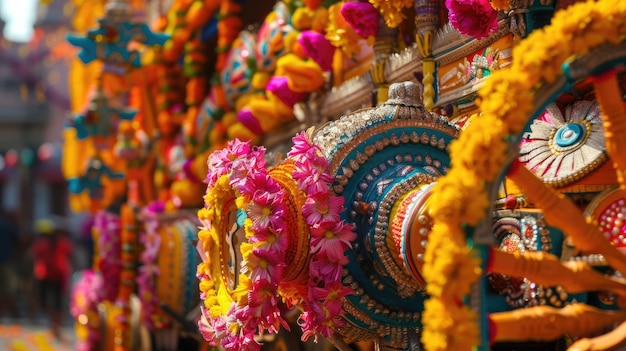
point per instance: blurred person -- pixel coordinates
(51, 252)
(8, 281)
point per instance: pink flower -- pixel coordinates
(318, 48)
(308, 323)
(264, 265)
(312, 177)
(302, 147)
(332, 239)
(262, 298)
(362, 17)
(265, 208)
(152, 242)
(315, 319)
(258, 182)
(322, 207)
(323, 271)
(239, 337)
(475, 18)
(272, 240)
(244, 166)
(332, 294)
(220, 161)
(207, 327)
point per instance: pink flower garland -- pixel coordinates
(87, 293)
(110, 265)
(475, 18)
(265, 210)
(148, 270)
(330, 238)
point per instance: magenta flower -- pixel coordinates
(303, 148)
(312, 176)
(250, 121)
(258, 182)
(322, 207)
(316, 319)
(324, 271)
(332, 239)
(212, 329)
(240, 335)
(265, 208)
(262, 298)
(332, 294)
(253, 163)
(279, 86)
(318, 48)
(273, 239)
(362, 17)
(152, 242)
(264, 266)
(220, 161)
(475, 18)
(308, 323)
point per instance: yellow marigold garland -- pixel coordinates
(391, 10)
(340, 34)
(506, 102)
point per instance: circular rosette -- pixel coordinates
(384, 160)
(608, 212)
(563, 148)
(269, 44)
(237, 73)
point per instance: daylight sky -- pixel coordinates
(19, 16)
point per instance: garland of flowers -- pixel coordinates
(110, 265)
(122, 310)
(341, 34)
(330, 238)
(506, 102)
(239, 171)
(148, 271)
(87, 293)
(392, 10)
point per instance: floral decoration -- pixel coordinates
(391, 10)
(341, 34)
(475, 18)
(362, 17)
(87, 293)
(330, 238)
(148, 271)
(562, 148)
(318, 48)
(233, 317)
(109, 244)
(506, 102)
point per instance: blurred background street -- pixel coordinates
(34, 104)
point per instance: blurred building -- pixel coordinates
(34, 104)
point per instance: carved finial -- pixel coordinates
(405, 93)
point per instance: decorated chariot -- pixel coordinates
(382, 175)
